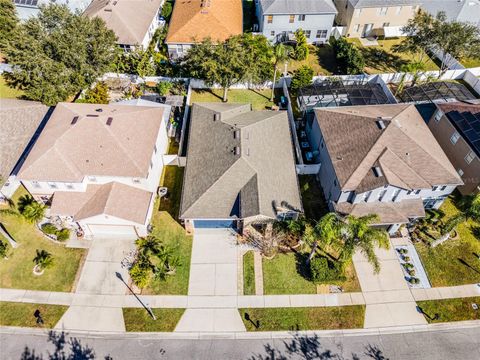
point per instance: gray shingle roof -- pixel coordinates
(297, 6)
(463, 10)
(223, 183)
(379, 3)
(19, 120)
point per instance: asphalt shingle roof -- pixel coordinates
(298, 6)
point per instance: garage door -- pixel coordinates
(213, 224)
(113, 231)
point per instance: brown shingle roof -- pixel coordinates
(19, 120)
(217, 20)
(77, 141)
(405, 150)
(129, 19)
(114, 199)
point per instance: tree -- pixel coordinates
(415, 68)
(359, 234)
(167, 10)
(148, 245)
(350, 59)
(43, 259)
(57, 54)
(30, 209)
(3, 249)
(8, 21)
(302, 77)
(97, 95)
(327, 232)
(258, 57)
(301, 48)
(280, 54)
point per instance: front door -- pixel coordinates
(366, 30)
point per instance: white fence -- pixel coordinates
(311, 169)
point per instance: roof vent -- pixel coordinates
(380, 124)
(236, 150)
(377, 171)
(107, 10)
(74, 120)
(109, 121)
(92, 115)
(99, 110)
(216, 117)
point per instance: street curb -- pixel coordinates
(267, 335)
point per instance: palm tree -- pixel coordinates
(43, 259)
(415, 68)
(168, 262)
(469, 209)
(359, 234)
(280, 54)
(31, 210)
(148, 245)
(326, 232)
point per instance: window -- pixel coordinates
(409, 192)
(399, 10)
(301, 17)
(69, 186)
(438, 115)
(395, 194)
(36, 184)
(269, 19)
(381, 195)
(308, 33)
(417, 192)
(321, 34)
(52, 185)
(385, 24)
(443, 188)
(272, 33)
(335, 182)
(366, 196)
(92, 179)
(455, 137)
(470, 156)
(460, 172)
(356, 28)
(291, 20)
(383, 11)
(358, 12)
(434, 188)
(155, 149)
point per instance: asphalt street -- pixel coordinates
(447, 344)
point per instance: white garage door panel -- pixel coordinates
(113, 230)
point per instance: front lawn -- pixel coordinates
(450, 309)
(138, 320)
(16, 272)
(21, 314)
(455, 262)
(382, 59)
(299, 319)
(321, 59)
(248, 274)
(8, 92)
(260, 99)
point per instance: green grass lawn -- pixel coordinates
(313, 199)
(248, 274)
(455, 262)
(8, 92)
(173, 147)
(138, 320)
(172, 178)
(16, 272)
(321, 59)
(382, 59)
(260, 99)
(470, 62)
(298, 319)
(450, 309)
(21, 314)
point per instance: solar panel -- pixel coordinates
(468, 125)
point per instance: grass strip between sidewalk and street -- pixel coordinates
(458, 309)
(138, 319)
(298, 319)
(248, 273)
(22, 314)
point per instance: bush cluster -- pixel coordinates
(323, 270)
(60, 234)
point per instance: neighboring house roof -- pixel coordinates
(382, 3)
(239, 165)
(195, 20)
(129, 19)
(466, 119)
(19, 121)
(405, 150)
(297, 7)
(388, 212)
(458, 10)
(113, 199)
(29, 8)
(91, 139)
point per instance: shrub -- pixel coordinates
(324, 271)
(301, 49)
(97, 95)
(408, 266)
(349, 57)
(167, 10)
(3, 249)
(414, 280)
(49, 228)
(63, 234)
(163, 87)
(302, 77)
(139, 273)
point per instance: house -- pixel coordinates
(279, 19)
(196, 20)
(30, 8)
(99, 166)
(456, 126)
(20, 124)
(240, 167)
(380, 159)
(455, 10)
(133, 21)
(364, 18)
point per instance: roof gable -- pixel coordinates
(298, 7)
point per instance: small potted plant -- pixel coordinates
(406, 258)
(411, 272)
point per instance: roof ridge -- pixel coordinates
(403, 162)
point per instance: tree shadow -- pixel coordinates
(326, 59)
(476, 232)
(259, 94)
(463, 262)
(209, 91)
(310, 348)
(301, 265)
(66, 348)
(380, 59)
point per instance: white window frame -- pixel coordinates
(301, 17)
(438, 115)
(52, 185)
(272, 33)
(386, 24)
(356, 28)
(308, 33)
(460, 172)
(269, 19)
(36, 184)
(454, 138)
(320, 33)
(470, 157)
(383, 11)
(399, 10)
(358, 12)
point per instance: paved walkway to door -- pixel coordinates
(213, 273)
